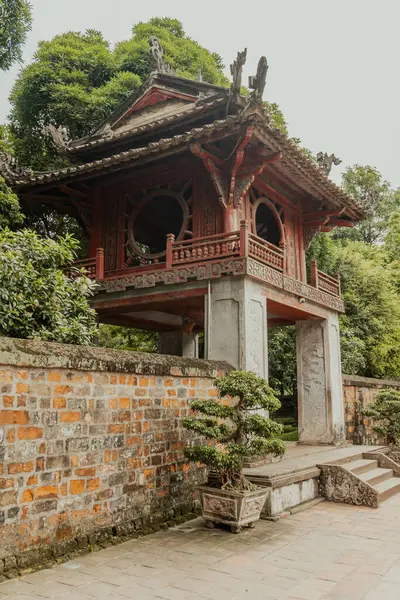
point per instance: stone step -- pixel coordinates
(361, 466)
(375, 475)
(388, 488)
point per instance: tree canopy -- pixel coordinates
(15, 22)
(36, 298)
(77, 80)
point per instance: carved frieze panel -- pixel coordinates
(337, 484)
(293, 286)
(172, 276)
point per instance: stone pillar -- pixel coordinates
(238, 329)
(178, 343)
(319, 382)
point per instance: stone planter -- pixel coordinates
(236, 509)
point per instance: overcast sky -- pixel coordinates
(334, 65)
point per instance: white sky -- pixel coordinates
(334, 65)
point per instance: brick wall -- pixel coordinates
(90, 439)
(359, 392)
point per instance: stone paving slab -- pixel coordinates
(330, 552)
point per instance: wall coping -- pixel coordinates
(37, 353)
(369, 381)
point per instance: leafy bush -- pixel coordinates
(236, 430)
(385, 414)
(36, 299)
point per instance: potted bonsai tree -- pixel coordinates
(236, 430)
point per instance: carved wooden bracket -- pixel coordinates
(230, 177)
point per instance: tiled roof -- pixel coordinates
(37, 178)
(295, 164)
(196, 109)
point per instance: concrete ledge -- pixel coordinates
(36, 353)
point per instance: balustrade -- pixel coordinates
(202, 249)
(324, 282)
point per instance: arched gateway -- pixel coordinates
(198, 213)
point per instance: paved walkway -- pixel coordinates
(330, 552)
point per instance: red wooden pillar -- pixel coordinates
(314, 273)
(100, 264)
(244, 239)
(230, 219)
(95, 240)
(168, 258)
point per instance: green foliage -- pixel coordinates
(15, 22)
(36, 299)
(74, 81)
(376, 196)
(237, 427)
(77, 80)
(385, 414)
(10, 215)
(282, 359)
(184, 55)
(372, 309)
(127, 338)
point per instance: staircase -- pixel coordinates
(366, 480)
(382, 480)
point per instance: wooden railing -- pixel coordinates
(211, 247)
(266, 252)
(93, 267)
(324, 282)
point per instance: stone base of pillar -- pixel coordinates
(178, 343)
(238, 329)
(319, 382)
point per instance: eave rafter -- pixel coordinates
(232, 176)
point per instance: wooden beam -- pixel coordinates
(273, 194)
(311, 216)
(43, 198)
(73, 192)
(341, 223)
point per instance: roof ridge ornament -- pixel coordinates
(326, 161)
(59, 135)
(236, 71)
(257, 82)
(10, 169)
(156, 54)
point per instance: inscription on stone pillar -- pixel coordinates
(255, 338)
(313, 410)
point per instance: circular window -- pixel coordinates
(266, 224)
(157, 215)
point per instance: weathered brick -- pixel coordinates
(70, 417)
(54, 376)
(26, 467)
(48, 491)
(61, 390)
(14, 417)
(8, 498)
(6, 484)
(87, 472)
(29, 433)
(22, 388)
(59, 402)
(57, 462)
(93, 484)
(77, 486)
